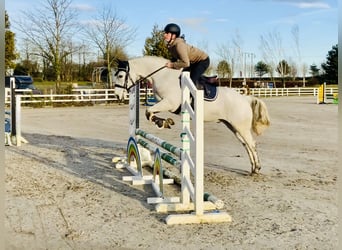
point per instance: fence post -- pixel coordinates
(13, 107)
(18, 120)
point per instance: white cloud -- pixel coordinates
(312, 5)
(83, 7)
(304, 4)
(193, 23)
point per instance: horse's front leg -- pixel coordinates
(158, 121)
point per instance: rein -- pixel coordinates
(144, 78)
(139, 80)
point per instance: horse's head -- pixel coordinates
(122, 79)
(137, 71)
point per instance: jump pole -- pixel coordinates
(192, 142)
(214, 203)
(156, 180)
(192, 195)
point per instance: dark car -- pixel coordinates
(23, 84)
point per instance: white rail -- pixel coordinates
(108, 95)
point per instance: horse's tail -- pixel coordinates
(261, 119)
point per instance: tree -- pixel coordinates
(231, 54)
(10, 54)
(111, 35)
(330, 67)
(261, 69)
(49, 29)
(304, 71)
(316, 76)
(314, 70)
(155, 45)
(272, 50)
(298, 61)
(223, 69)
(283, 69)
(293, 70)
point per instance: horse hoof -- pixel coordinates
(159, 123)
(148, 115)
(167, 125)
(255, 172)
(170, 121)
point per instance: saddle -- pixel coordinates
(209, 85)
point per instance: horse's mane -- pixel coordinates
(147, 64)
(154, 58)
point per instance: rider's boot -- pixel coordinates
(200, 85)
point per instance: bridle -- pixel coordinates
(124, 66)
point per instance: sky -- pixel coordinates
(210, 24)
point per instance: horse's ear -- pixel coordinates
(122, 65)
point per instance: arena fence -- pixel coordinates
(97, 96)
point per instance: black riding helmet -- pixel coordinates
(173, 29)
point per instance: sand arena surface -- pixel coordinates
(63, 192)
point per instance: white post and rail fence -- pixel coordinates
(98, 96)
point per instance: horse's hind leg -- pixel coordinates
(245, 137)
(249, 144)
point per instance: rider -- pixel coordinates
(184, 55)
